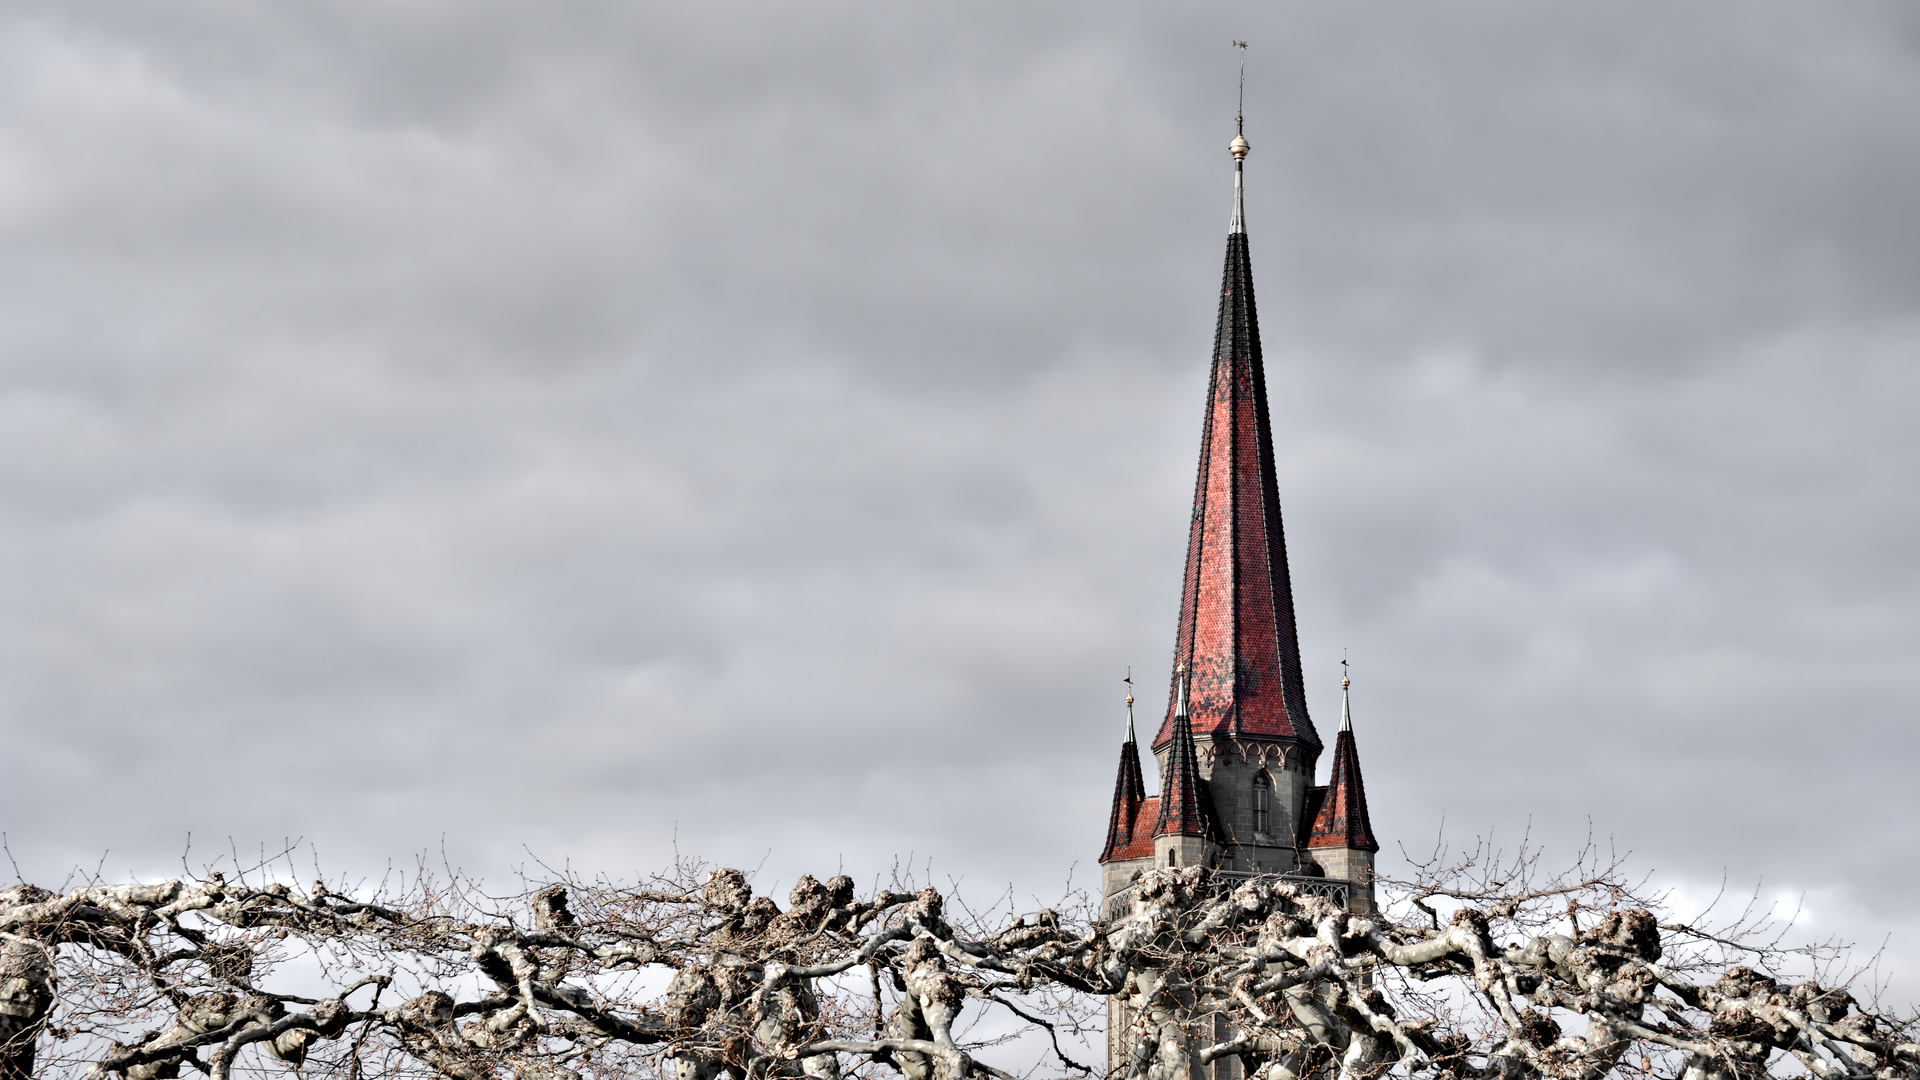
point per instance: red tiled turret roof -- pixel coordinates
(1139, 844)
(1129, 793)
(1342, 820)
(1236, 633)
(1186, 807)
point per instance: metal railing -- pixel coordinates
(1225, 881)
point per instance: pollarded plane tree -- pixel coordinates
(692, 975)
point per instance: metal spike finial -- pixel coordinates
(1129, 681)
(1346, 714)
(1239, 147)
(1180, 702)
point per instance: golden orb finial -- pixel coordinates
(1239, 147)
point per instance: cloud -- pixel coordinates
(767, 428)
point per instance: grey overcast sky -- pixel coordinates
(561, 428)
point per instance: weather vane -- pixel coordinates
(1239, 114)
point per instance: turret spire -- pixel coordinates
(1184, 805)
(1126, 833)
(1343, 821)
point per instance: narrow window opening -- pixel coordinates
(1262, 802)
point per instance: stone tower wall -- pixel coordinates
(1349, 864)
(1229, 767)
(1182, 851)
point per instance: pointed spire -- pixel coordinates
(1129, 796)
(1236, 634)
(1183, 805)
(1342, 821)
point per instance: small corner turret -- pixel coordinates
(1183, 833)
(1128, 835)
(1340, 839)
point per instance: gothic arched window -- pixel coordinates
(1262, 806)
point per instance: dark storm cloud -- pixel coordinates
(771, 425)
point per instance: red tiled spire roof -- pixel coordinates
(1140, 830)
(1185, 805)
(1236, 633)
(1129, 794)
(1342, 821)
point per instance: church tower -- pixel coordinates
(1236, 750)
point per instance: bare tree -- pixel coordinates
(692, 975)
